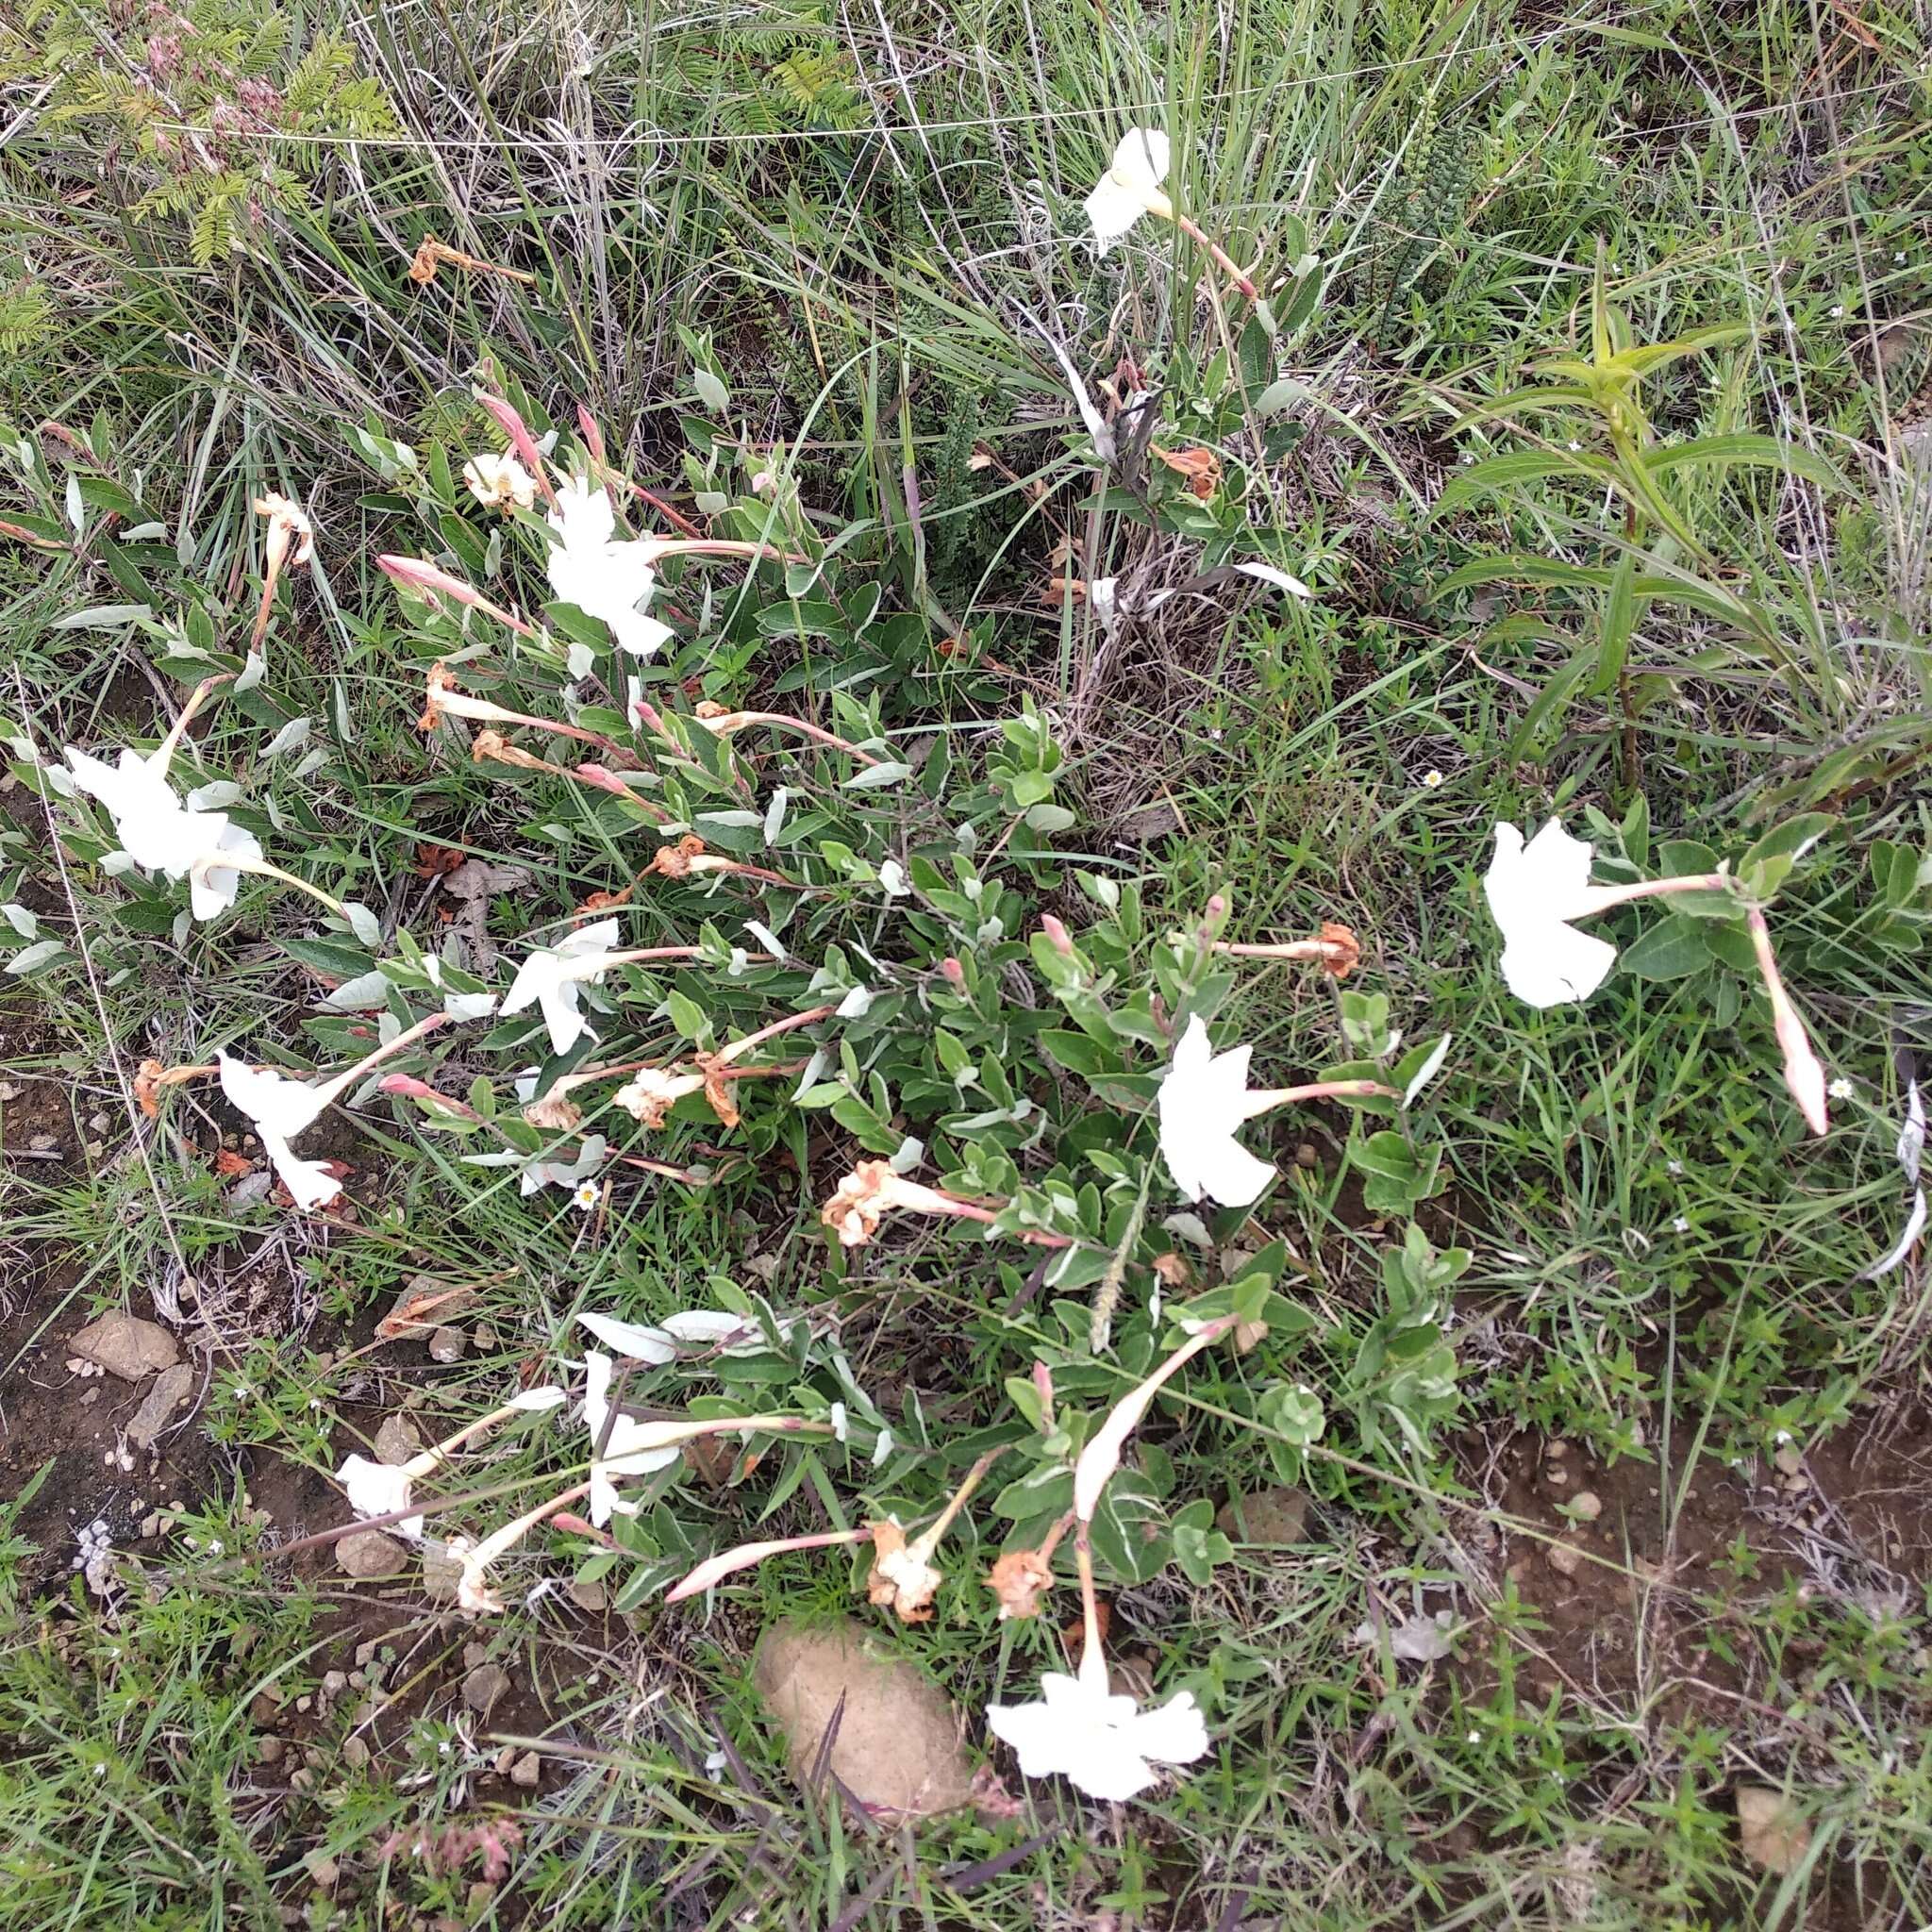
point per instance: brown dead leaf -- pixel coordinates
(432, 861)
(231, 1165)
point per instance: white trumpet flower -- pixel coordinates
(605, 576)
(550, 977)
(1131, 186)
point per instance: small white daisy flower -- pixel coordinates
(1431, 779)
(1840, 1089)
(585, 1196)
(1838, 308)
(1680, 1225)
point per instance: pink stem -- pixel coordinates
(1321, 1090)
(1601, 898)
(1187, 226)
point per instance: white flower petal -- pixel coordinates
(633, 1339)
(1915, 1226)
(1202, 1101)
(1533, 890)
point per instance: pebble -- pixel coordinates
(396, 1440)
(1558, 1449)
(484, 1687)
(367, 1554)
(172, 1388)
(476, 1655)
(1557, 1477)
(44, 1143)
(322, 1868)
(334, 1682)
(1788, 1460)
(1564, 1558)
(303, 1704)
(441, 1574)
(1586, 1506)
(270, 1748)
(126, 1346)
(302, 1780)
(448, 1346)
(267, 1705)
(355, 1752)
(98, 1124)
(501, 1763)
(527, 1771)
(591, 1595)
(366, 1651)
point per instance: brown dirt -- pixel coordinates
(1649, 1602)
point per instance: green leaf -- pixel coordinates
(1618, 618)
(1080, 1052)
(878, 777)
(1672, 949)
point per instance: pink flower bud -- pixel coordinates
(954, 973)
(1057, 934)
(521, 440)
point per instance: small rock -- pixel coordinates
(1586, 1506)
(897, 1747)
(448, 1346)
(98, 1124)
(303, 1704)
(1770, 1831)
(396, 1440)
(527, 1771)
(302, 1780)
(334, 1683)
(172, 1388)
(1564, 1558)
(45, 1143)
(1557, 1476)
(126, 1346)
(484, 1337)
(441, 1574)
(367, 1554)
(476, 1655)
(355, 1752)
(501, 1763)
(1789, 1462)
(267, 1705)
(484, 1687)
(322, 1868)
(365, 1653)
(590, 1595)
(1275, 1515)
(270, 1748)
(1558, 1449)
(1305, 1156)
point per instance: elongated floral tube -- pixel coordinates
(715, 1570)
(1804, 1076)
(1102, 1456)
